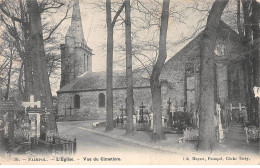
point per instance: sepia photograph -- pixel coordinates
(129, 82)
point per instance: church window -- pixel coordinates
(101, 100)
(76, 101)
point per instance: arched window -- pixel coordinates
(101, 100)
(76, 101)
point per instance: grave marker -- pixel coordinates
(240, 107)
(7, 106)
(31, 103)
(134, 120)
(257, 91)
(151, 120)
(35, 118)
(70, 108)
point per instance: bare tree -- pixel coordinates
(15, 19)
(110, 48)
(158, 132)
(207, 77)
(129, 73)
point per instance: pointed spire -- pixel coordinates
(76, 28)
(76, 16)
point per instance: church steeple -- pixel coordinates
(76, 28)
(76, 56)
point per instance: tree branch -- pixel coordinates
(142, 64)
(118, 13)
(8, 14)
(56, 26)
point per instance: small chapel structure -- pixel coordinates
(83, 92)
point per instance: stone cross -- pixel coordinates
(32, 103)
(240, 107)
(142, 111)
(70, 108)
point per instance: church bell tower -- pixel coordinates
(76, 56)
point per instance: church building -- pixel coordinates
(83, 92)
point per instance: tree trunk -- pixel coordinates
(129, 73)
(38, 49)
(207, 77)
(20, 81)
(9, 74)
(246, 41)
(109, 80)
(158, 132)
(40, 73)
(256, 55)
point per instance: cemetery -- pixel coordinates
(24, 129)
(180, 122)
(201, 96)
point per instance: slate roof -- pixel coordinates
(91, 81)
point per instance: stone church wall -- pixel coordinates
(89, 102)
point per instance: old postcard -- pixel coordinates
(129, 82)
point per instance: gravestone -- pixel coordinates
(137, 115)
(257, 91)
(70, 110)
(134, 120)
(234, 114)
(35, 112)
(38, 126)
(8, 108)
(151, 120)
